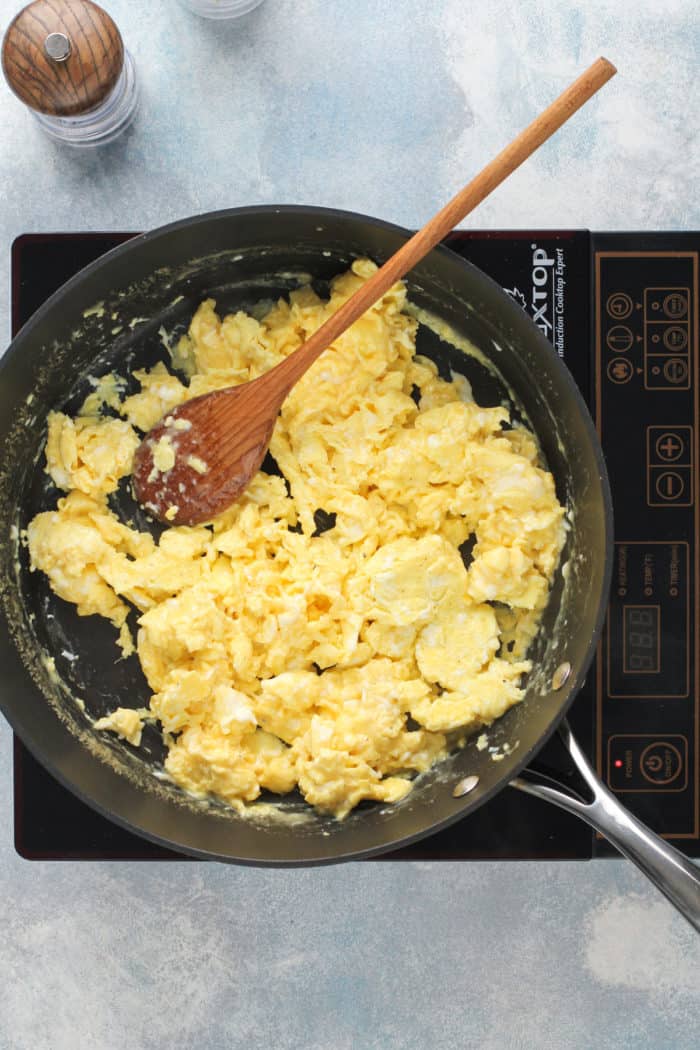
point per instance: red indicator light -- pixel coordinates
(618, 763)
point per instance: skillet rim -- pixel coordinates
(511, 311)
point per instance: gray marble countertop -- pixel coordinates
(384, 108)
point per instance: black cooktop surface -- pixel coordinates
(622, 311)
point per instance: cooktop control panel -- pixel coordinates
(646, 404)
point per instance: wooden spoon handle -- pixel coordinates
(544, 126)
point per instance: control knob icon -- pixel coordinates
(619, 338)
(620, 370)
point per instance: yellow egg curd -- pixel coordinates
(342, 662)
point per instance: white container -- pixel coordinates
(220, 8)
(101, 125)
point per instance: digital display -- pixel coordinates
(649, 621)
(641, 639)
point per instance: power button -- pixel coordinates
(661, 762)
(641, 762)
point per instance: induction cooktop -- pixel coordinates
(621, 309)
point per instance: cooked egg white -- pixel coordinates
(125, 722)
(282, 656)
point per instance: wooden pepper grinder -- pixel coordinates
(65, 59)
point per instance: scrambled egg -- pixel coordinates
(125, 722)
(343, 660)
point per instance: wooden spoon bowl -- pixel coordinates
(206, 475)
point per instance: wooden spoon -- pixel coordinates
(197, 461)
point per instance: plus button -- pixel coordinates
(670, 447)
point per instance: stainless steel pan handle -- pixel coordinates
(675, 875)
